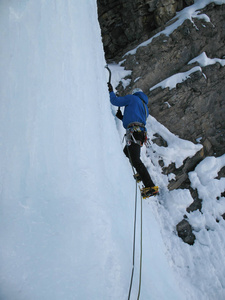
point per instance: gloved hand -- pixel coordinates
(110, 88)
(119, 114)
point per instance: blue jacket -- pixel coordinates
(134, 108)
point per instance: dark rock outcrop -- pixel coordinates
(196, 107)
(188, 166)
(184, 231)
(124, 24)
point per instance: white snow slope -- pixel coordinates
(66, 189)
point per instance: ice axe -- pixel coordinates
(110, 73)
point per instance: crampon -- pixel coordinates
(147, 192)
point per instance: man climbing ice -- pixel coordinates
(134, 121)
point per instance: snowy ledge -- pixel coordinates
(189, 13)
(172, 81)
(203, 61)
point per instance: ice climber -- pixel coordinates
(134, 121)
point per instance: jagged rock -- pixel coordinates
(197, 203)
(221, 173)
(125, 24)
(165, 10)
(188, 166)
(184, 231)
(196, 107)
(159, 140)
(189, 2)
(218, 198)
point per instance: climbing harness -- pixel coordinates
(134, 239)
(133, 128)
(136, 125)
(129, 137)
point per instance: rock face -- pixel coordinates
(195, 108)
(126, 23)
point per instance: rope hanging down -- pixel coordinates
(140, 271)
(134, 240)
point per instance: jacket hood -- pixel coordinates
(142, 96)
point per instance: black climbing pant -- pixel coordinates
(133, 152)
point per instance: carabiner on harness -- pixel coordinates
(129, 137)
